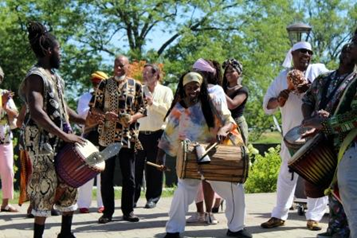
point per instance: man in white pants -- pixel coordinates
(85, 191)
(301, 54)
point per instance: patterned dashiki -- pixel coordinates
(120, 97)
(43, 147)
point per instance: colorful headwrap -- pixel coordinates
(98, 76)
(192, 77)
(203, 65)
(297, 46)
(234, 63)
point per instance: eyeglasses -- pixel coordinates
(304, 51)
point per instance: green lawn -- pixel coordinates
(269, 138)
(167, 192)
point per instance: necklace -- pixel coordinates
(231, 88)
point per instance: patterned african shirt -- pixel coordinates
(345, 118)
(121, 97)
(37, 140)
(326, 93)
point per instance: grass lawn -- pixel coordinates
(167, 192)
(269, 138)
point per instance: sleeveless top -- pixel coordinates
(38, 141)
(239, 111)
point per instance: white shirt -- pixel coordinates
(83, 104)
(218, 94)
(291, 112)
(162, 99)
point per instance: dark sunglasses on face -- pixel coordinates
(304, 51)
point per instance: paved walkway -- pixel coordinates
(152, 223)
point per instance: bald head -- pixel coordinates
(121, 66)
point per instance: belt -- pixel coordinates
(150, 132)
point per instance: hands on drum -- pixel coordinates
(315, 122)
(72, 138)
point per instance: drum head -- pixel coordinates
(88, 149)
(294, 136)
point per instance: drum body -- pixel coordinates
(228, 163)
(71, 164)
(316, 161)
(293, 139)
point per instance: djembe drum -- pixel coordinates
(73, 165)
(316, 161)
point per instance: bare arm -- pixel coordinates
(21, 116)
(272, 104)
(35, 102)
(74, 117)
(236, 102)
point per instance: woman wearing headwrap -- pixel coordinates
(236, 94)
(193, 118)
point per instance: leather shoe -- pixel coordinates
(130, 218)
(61, 235)
(273, 222)
(313, 225)
(239, 234)
(150, 205)
(104, 219)
(172, 235)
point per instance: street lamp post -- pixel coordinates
(298, 30)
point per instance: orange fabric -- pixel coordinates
(25, 172)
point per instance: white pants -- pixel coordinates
(316, 207)
(185, 194)
(85, 194)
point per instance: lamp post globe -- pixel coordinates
(298, 32)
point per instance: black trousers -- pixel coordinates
(153, 177)
(126, 159)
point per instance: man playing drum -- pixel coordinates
(46, 127)
(191, 117)
(279, 96)
(324, 101)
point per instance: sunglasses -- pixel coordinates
(304, 51)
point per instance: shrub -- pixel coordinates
(263, 170)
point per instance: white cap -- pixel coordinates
(297, 46)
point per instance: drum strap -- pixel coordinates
(347, 141)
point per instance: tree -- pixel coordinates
(92, 32)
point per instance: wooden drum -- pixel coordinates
(72, 167)
(316, 161)
(228, 163)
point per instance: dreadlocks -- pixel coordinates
(204, 99)
(40, 39)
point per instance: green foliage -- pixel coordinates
(263, 171)
(92, 32)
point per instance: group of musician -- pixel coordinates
(150, 123)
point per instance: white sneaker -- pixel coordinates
(196, 218)
(210, 219)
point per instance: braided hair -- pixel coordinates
(40, 39)
(204, 98)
